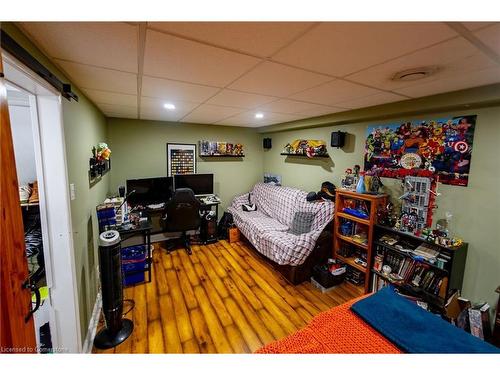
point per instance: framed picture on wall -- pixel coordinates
(181, 158)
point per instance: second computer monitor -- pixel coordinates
(201, 184)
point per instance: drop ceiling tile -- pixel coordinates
(451, 58)
(98, 96)
(335, 92)
(275, 79)
(293, 106)
(116, 110)
(106, 44)
(491, 37)
(476, 25)
(248, 119)
(175, 90)
(340, 48)
(238, 99)
(320, 111)
(257, 38)
(152, 109)
(464, 81)
(180, 59)
(376, 99)
(208, 114)
(89, 77)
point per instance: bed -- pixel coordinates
(374, 324)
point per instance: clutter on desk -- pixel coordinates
(209, 148)
(302, 147)
(99, 163)
(112, 212)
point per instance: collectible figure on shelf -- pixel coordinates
(103, 151)
(350, 179)
(238, 149)
(309, 148)
(385, 215)
(288, 149)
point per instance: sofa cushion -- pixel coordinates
(302, 222)
(285, 247)
(254, 223)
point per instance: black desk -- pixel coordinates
(143, 228)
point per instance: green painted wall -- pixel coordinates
(475, 208)
(139, 151)
(84, 126)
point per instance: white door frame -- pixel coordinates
(55, 209)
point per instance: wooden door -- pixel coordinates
(17, 331)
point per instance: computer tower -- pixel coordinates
(208, 230)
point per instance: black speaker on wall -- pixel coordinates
(117, 329)
(338, 139)
(267, 143)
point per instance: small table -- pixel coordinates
(128, 230)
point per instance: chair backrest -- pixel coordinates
(183, 211)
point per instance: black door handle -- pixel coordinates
(32, 287)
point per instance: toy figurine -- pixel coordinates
(238, 149)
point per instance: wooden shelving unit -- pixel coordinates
(373, 202)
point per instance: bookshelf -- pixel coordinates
(347, 246)
(431, 278)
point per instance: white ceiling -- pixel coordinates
(225, 72)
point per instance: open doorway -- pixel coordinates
(35, 114)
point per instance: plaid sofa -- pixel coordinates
(267, 228)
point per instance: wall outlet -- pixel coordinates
(72, 192)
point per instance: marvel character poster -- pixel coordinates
(442, 146)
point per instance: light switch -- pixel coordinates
(72, 192)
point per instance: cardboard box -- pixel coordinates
(234, 234)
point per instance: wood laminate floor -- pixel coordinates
(221, 299)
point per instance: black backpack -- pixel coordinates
(225, 222)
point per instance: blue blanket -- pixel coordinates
(414, 330)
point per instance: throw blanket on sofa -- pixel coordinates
(413, 329)
(268, 228)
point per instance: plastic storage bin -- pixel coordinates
(324, 277)
(134, 260)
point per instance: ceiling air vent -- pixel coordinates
(415, 73)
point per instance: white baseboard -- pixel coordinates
(92, 328)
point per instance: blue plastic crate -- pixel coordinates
(134, 259)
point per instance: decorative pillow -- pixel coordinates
(302, 222)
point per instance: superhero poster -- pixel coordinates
(442, 146)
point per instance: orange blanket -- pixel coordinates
(337, 330)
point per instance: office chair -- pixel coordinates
(182, 214)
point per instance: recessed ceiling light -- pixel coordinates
(415, 73)
(169, 106)
(259, 115)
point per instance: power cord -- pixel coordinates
(132, 305)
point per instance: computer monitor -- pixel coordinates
(150, 190)
(201, 184)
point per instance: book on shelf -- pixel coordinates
(426, 251)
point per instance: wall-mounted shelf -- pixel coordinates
(305, 156)
(222, 156)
